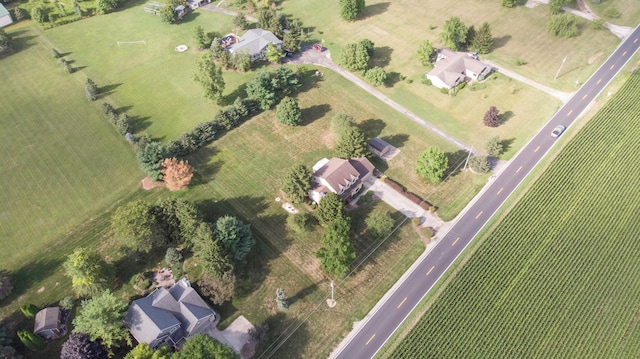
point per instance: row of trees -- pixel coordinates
(457, 36)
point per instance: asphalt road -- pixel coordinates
(371, 335)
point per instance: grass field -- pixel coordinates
(556, 278)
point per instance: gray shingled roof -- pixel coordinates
(254, 41)
(451, 66)
(3, 11)
(46, 319)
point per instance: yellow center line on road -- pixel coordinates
(584, 97)
(519, 168)
(500, 191)
(612, 66)
(370, 339)
(430, 269)
(624, 53)
(599, 81)
(478, 216)
(454, 242)
(537, 148)
(570, 112)
(401, 303)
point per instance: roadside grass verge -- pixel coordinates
(555, 276)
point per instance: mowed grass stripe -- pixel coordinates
(557, 277)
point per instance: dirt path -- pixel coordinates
(313, 57)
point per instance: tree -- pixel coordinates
(494, 146)
(284, 81)
(261, 89)
(491, 117)
(355, 56)
(479, 164)
(240, 21)
(454, 34)
(340, 123)
(288, 112)
(39, 14)
(337, 252)
(234, 236)
(296, 183)
(76, 8)
(80, 346)
(483, 40)
(20, 13)
(66, 303)
(5, 284)
(563, 25)
(352, 144)
(219, 290)
(31, 340)
(432, 164)
(204, 347)
(29, 310)
(101, 317)
(210, 252)
(168, 14)
(379, 223)
(90, 87)
(376, 76)
(123, 124)
(509, 3)
(281, 301)
(172, 256)
(176, 175)
(330, 208)
(144, 351)
(201, 40)
(210, 77)
(291, 41)
(273, 54)
(6, 349)
(137, 226)
(349, 9)
(87, 271)
(6, 44)
(242, 61)
(151, 157)
(299, 223)
(105, 6)
(555, 6)
(425, 50)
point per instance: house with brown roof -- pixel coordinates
(340, 176)
(169, 315)
(48, 323)
(453, 67)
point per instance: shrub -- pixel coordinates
(30, 340)
(66, 303)
(416, 221)
(444, 90)
(29, 310)
(480, 164)
(426, 232)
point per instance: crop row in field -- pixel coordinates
(557, 278)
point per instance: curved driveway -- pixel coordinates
(371, 334)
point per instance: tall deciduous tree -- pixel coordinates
(356, 56)
(151, 157)
(87, 271)
(219, 290)
(211, 255)
(491, 117)
(296, 183)
(261, 89)
(425, 50)
(494, 146)
(168, 14)
(379, 223)
(432, 164)
(234, 236)
(80, 346)
(349, 9)
(40, 15)
(144, 351)
(454, 34)
(288, 112)
(137, 226)
(176, 174)
(352, 144)
(101, 317)
(273, 54)
(209, 76)
(376, 76)
(285, 81)
(483, 40)
(203, 346)
(563, 25)
(330, 208)
(337, 251)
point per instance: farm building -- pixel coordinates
(5, 17)
(343, 177)
(452, 68)
(254, 42)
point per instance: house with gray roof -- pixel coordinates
(340, 176)
(169, 315)
(5, 17)
(254, 42)
(453, 67)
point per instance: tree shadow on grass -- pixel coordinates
(393, 78)
(31, 273)
(123, 109)
(303, 293)
(283, 326)
(381, 56)
(398, 140)
(107, 90)
(240, 91)
(308, 78)
(505, 116)
(506, 144)
(236, 206)
(204, 169)
(133, 262)
(190, 16)
(313, 113)
(139, 123)
(455, 159)
(372, 127)
(373, 10)
(22, 42)
(499, 42)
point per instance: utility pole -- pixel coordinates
(560, 68)
(467, 160)
(331, 302)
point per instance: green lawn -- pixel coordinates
(629, 11)
(556, 278)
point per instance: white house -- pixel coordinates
(452, 68)
(343, 177)
(254, 42)
(5, 17)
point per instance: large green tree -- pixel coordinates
(349, 9)
(494, 146)
(352, 144)
(88, 272)
(454, 34)
(330, 208)
(211, 254)
(218, 289)
(209, 76)
(288, 112)
(80, 346)
(273, 54)
(262, 90)
(137, 226)
(563, 25)
(379, 223)
(151, 157)
(425, 50)
(483, 40)
(285, 81)
(105, 6)
(234, 236)
(202, 346)
(376, 76)
(337, 251)
(101, 317)
(432, 164)
(144, 351)
(168, 14)
(356, 56)
(296, 183)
